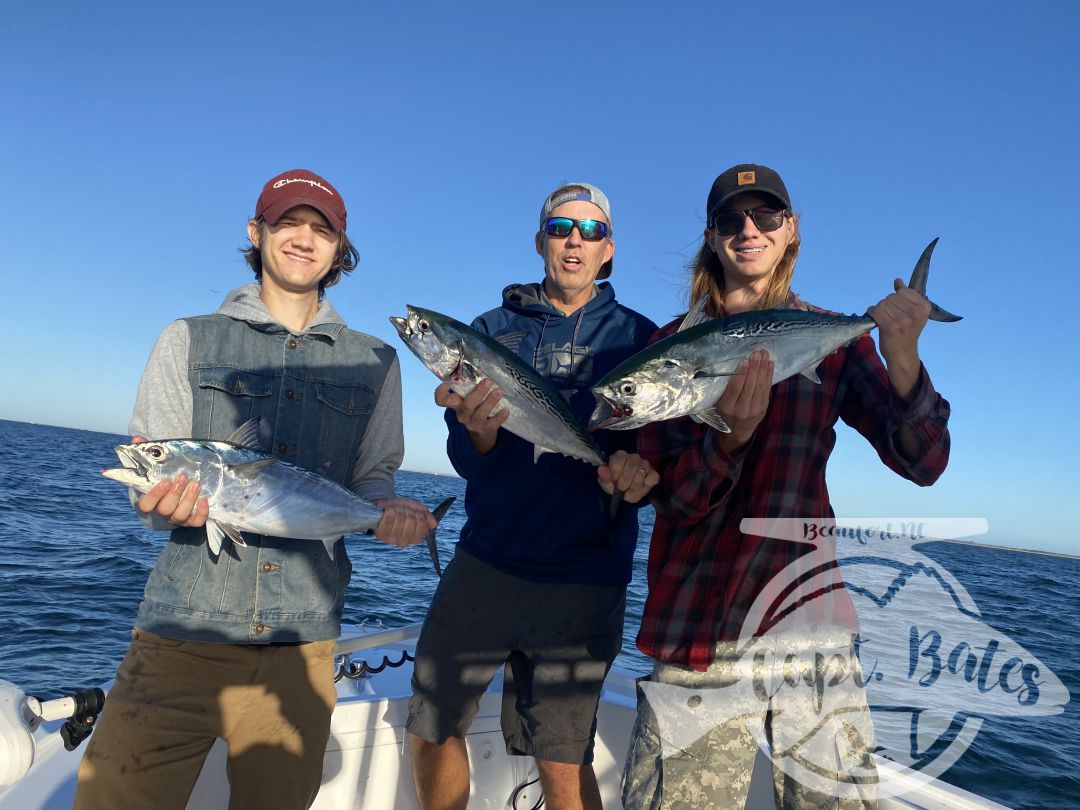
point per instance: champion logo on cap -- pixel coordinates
(313, 183)
(747, 178)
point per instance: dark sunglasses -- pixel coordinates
(729, 223)
(591, 230)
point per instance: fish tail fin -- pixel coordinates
(433, 550)
(918, 283)
(616, 501)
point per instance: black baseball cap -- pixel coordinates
(742, 178)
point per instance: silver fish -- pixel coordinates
(462, 356)
(250, 491)
(685, 373)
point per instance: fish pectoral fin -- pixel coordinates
(247, 435)
(811, 374)
(713, 371)
(328, 544)
(214, 537)
(217, 532)
(250, 469)
(713, 419)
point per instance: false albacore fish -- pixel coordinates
(250, 491)
(685, 373)
(462, 356)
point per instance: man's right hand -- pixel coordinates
(745, 400)
(476, 412)
(177, 500)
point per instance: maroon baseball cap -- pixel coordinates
(300, 187)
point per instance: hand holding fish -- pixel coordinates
(477, 412)
(900, 318)
(628, 472)
(745, 400)
(177, 500)
(404, 522)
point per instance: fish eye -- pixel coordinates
(627, 388)
(424, 326)
(155, 453)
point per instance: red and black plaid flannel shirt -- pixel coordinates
(704, 573)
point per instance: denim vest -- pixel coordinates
(315, 393)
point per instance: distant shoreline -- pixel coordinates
(1006, 548)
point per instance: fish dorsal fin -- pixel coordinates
(250, 469)
(217, 532)
(539, 451)
(247, 435)
(696, 315)
(811, 374)
(328, 544)
(713, 419)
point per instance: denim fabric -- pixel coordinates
(314, 394)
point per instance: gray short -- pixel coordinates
(558, 640)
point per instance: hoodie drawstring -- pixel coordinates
(539, 343)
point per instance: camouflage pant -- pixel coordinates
(698, 734)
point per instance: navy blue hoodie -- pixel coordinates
(548, 521)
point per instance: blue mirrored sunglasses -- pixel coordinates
(591, 230)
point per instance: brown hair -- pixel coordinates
(707, 276)
(345, 260)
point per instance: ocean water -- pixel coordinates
(73, 562)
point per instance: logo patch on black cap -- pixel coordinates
(747, 178)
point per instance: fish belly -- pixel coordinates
(305, 507)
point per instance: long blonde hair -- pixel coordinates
(707, 277)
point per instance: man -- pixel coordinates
(540, 574)
(239, 645)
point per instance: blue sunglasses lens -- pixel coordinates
(591, 230)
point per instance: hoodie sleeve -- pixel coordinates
(163, 403)
(383, 448)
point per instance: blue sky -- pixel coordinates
(135, 142)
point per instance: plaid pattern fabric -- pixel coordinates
(704, 573)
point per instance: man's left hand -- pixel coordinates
(629, 472)
(404, 522)
(900, 318)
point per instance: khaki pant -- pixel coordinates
(697, 733)
(172, 699)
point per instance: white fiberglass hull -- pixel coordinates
(367, 760)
